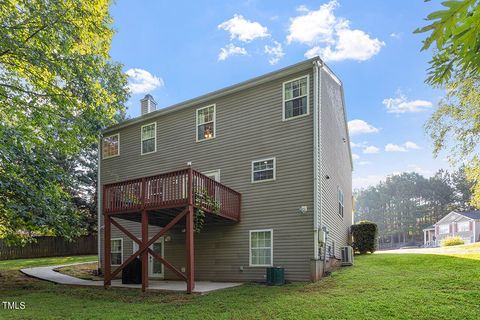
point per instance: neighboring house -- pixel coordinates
(274, 153)
(455, 224)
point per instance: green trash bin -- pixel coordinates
(275, 276)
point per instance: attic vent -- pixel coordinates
(148, 104)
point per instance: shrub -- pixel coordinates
(452, 241)
(364, 237)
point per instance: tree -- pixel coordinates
(455, 66)
(455, 32)
(58, 89)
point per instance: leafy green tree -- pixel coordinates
(455, 35)
(454, 126)
(58, 89)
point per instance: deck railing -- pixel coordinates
(170, 190)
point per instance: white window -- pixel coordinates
(111, 146)
(340, 202)
(295, 98)
(263, 170)
(261, 248)
(206, 123)
(444, 228)
(149, 138)
(463, 226)
(116, 251)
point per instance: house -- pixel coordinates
(454, 224)
(270, 159)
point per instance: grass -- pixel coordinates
(379, 286)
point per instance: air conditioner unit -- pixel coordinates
(347, 256)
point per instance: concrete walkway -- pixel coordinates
(49, 274)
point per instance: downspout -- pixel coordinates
(317, 158)
(99, 202)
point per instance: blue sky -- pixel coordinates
(181, 49)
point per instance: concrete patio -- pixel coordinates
(49, 274)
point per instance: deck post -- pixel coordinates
(107, 265)
(189, 235)
(144, 254)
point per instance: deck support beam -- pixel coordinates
(189, 235)
(106, 251)
(144, 255)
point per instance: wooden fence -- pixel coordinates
(50, 247)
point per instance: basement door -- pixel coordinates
(155, 268)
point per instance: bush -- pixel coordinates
(364, 237)
(452, 241)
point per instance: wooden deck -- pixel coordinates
(170, 190)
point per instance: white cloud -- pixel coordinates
(366, 181)
(230, 50)
(358, 126)
(351, 44)
(394, 148)
(142, 81)
(401, 104)
(242, 29)
(364, 163)
(276, 52)
(331, 37)
(416, 168)
(409, 145)
(396, 35)
(355, 156)
(370, 150)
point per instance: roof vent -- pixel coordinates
(148, 104)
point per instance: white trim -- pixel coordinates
(214, 122)
(118, 153)
(250, 248)
(342, 202)
(274, 170)
(121, 252)
(154, 137)
(213, 173)
(307, 95)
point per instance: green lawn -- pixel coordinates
(379, 286)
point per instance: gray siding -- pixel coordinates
(249, 127)
(335, 162)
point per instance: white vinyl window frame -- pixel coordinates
(305, 95)
(274, 170)
(198, 123)
(154, 138)
(103, 147)
(463, 226)
(341, 201)
(121, 250)
(444, 229)
(250, 248)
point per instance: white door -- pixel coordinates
(214, 174)
(155, 268)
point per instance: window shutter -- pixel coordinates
(470, 226)
(450, 229)
(455, 227)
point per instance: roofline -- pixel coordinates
(304, 65)
(455, 212)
